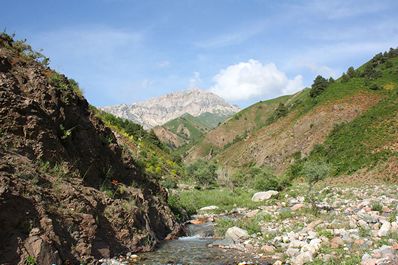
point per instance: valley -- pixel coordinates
(309, 177)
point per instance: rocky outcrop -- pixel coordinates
(68, 192)
(158, 111)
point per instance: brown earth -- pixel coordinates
(68, 191)
(168, 137)
(247, 120)
(276, 144)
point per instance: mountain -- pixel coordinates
(70, 193)
(350, 122)
(187, 129)
(158, 111)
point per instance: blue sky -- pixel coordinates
(123, 51)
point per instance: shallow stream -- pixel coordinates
(194, 250)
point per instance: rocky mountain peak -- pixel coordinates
(159, 110)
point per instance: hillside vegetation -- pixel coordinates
(147, 150)
(350, 122)
(183, 132)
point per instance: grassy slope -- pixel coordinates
(156, 160)
(362, 141)
(197, 127)
(372, 137)
(243, 122)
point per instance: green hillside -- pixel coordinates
(350, 122)
(146, 149)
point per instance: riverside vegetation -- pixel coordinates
(302, 179)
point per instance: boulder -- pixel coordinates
(302, 258)
(297, 206)
(336, 242)
(208, 208)
(263, 195)
(268, 249)
(236, 234)
(42, 251)
(384, 229)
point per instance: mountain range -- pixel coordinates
(157, 111)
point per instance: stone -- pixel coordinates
(359, 242)
(264, 195)
(336, 242)
(363, 224)
(223, 243)
(297, 206)
(384, 229)
(369, 262)
(252, 213)
(268, 249)
(394, 227)
(236, 234)
(34, 232)
(209, 208)
(38, 248)
(302, 258)
(313, 224)
(292, 252)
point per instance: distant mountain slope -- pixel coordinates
(188, 129)
(237, 127)
(355, 116)
(158, 111)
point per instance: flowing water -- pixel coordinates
(194, 250)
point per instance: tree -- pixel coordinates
(203, 172)
(345, 78)
(319, 85)
(351, 72)
(315, 171)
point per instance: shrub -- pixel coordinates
(258, 178)
(351, 72)
(319, 85)
(374, 87)
(315, 171)
(203, 172)
(376, 206)
(280, 111)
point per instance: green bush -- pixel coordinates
(203, 172)
(376, 206)
(319, 85)
(258, 178)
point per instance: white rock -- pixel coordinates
(384, 229)
(297, 244)
(302, 258)
(263, 195)
(312, 234)
(236, 234)
(363, 224)
(292, 252)
(394, 227)
(209, 208)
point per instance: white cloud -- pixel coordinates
(252, 79)
(195, 80)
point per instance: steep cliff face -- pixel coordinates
(157, 111)
(68, 191)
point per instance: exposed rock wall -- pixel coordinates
(68, 191)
